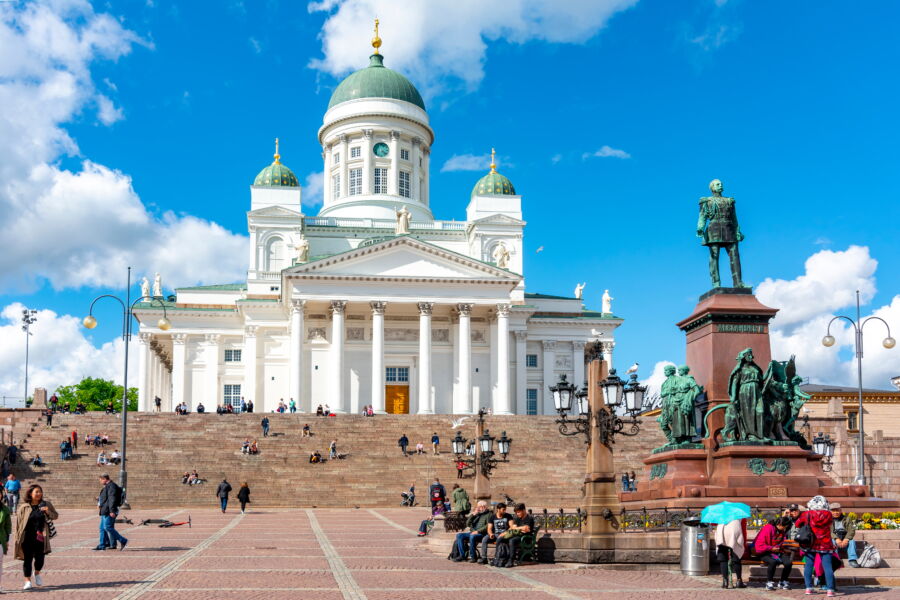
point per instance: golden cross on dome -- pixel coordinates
(277, 156)
(376, 41)
(493, 161)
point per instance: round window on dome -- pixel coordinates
(381, 149)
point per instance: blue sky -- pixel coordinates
(791, 104)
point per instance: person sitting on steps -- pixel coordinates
(306, 431)
(315, 457)
(245, 446)
(497, 526)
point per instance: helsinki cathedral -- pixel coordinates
(372, 301)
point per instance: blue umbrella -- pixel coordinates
(725, 512)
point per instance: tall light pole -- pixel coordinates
(29, 316)
(127, 312)
(484, 459)
(888, 343)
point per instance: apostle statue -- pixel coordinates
(579, 290)
(145, 288)
(718, 227)
(607, 302)
(403, 216)
(501, 255)
(302, 247)
(157, 286)
(747, 409)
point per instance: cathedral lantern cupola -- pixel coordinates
(376, 142)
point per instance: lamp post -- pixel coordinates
(823, 445)
(127, 313)
(888, 342)
(479, 453)
(29, 316)
(598, 405)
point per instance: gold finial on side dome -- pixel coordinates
(277, 156)
(376, 41)
(493, 161)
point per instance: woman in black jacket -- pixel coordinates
(243, 496)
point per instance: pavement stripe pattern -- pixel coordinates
(348, 586)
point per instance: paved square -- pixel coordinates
(324, 554)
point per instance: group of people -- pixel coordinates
(367, 411)
(283, 408)
(817, 534)
(192, 478)
(113, 458)
(324, 411)
(224, 490)
(224, 409)
(505, 531)
(248, 447)
(403, 442)
(629, 481)
(95, 440)
(182, 409)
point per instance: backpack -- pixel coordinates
(805, 536)
(870, 557)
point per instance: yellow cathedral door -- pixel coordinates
(396, 399)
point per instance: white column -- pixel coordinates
(608, 353)
(326, 190)
(426, 407)
(578, 363)
(503, 405)
(179, 341)
(367, 178)
(378, 356)
(521, 402)
(248, 357)
(157, 386)
(394, 179)
(414, 155)
(144, 398)
(464, 342)
(212, 371)
(345, 157)
(337, 356)
(295, 390)
(548, 363)
(426, 196)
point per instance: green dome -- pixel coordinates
(494, 183)
(276, 175)
(376, 81)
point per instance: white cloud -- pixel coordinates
(606, 152)
(313, 188)
(556, 158)
(807, 304)
(80, 227)
(59, 353)
(466, 162)
(439, 40)
(716, 36)
(254, 43)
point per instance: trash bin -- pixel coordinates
(694, 548)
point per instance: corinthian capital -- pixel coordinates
(378, 307)
(337, 306)
(425, 308)
(464, 309)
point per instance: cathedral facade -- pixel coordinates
(372, 301)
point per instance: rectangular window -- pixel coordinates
(232, 356)
(853, 421)
(232, 395)
(396, 374)
(531, 401)
(404, 184)
(531, 361)
(355, 182)
(336, 186)
(404, 154)
(337, 158)
(381, 179)
(355, 152)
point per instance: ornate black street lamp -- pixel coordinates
(823, 445)
(29, 316)
(127, 313)
(888, 343)
(479, 454)
(617, 396)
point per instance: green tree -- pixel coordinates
(95, 394)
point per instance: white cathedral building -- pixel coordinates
(373, 301)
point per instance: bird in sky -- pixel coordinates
(632, 369)
(458, 422)
(540, 249)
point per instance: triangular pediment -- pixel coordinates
(497, 220)
(402, 258)
(273, 211)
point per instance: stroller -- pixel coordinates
(408, 498)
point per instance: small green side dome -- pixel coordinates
(376, 81)
(276, 175)
(494, 184)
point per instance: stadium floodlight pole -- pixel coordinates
(127, 313)
(888, 343)
(29, 316)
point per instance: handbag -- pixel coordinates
(51, 528)
(804, 536)
(870, 557)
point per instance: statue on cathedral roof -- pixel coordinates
(302, 247)
(579, 290)
(501, 255)
(403, 217)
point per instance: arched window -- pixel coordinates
(276, 260)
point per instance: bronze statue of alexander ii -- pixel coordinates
(718, 227)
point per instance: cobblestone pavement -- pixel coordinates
(323, 554)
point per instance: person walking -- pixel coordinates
(332, 450)
(435, 444)
(5, 531)
(403, 442)
(818, 550)
(265, 426)
(222, 494)
(293, 406)
(460, 500)
(33, 533)
(11, 488)
(243, 496)
(109, 501)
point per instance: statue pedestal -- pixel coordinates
(724, 322)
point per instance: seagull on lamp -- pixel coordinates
(458, 422)
(632, 369)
